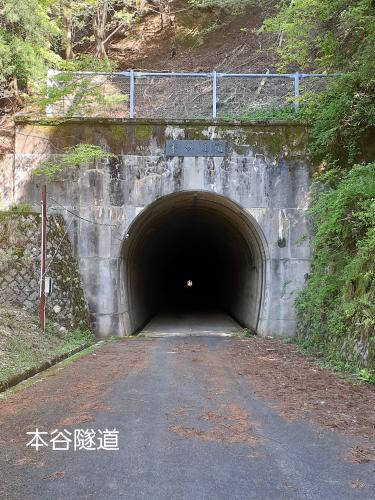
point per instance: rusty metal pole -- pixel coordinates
(43, 254)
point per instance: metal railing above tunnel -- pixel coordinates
(176, 95)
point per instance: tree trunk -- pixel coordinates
(165, 12)
(100, 21)
(68, 26)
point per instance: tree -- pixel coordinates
(93, 23)
(66, 13)
(27, 34)
(325, 35)
(41, 33)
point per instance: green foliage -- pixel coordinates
(233, 4)
(86, 62)
(31, 347)
(247, 333)
(72, 157)
(79, 337)
(195, 37)
(325, 35)
(26, 33)
(366, 376)
(244, 333)
(20, 208)
(90, 20)
(333, 36)
(37, 34)
(337, 307)
(268, 113)
(79, 94)
(342, 119)
(333, 361)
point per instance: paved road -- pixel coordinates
(182, 324)
(189, 428)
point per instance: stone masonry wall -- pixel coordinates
(20, 268)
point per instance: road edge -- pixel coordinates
(30, 372)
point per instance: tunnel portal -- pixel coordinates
(193, 252)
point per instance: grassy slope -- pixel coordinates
(23, 345)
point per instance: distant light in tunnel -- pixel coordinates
(189, 283)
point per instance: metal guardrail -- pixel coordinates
(181, 95)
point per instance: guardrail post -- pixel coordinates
(214, 93)
(131, 97)
(296, 92)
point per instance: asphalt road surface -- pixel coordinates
(189, 427)
(199, 324)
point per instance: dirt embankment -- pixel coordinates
(198, 40)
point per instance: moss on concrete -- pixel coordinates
(143, 132)
(64, 270)
(117, 133)
(270, 138)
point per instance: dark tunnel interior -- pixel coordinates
(192, 256)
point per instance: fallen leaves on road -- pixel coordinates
(230, 424)
(359, 455)
(299, 389)
(59, 474)
(357, 484)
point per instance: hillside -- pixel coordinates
(197, 40)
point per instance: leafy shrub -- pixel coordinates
(72, 157)
(336, 309)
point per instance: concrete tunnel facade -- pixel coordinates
(236, 226)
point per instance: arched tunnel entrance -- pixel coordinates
(193, 253)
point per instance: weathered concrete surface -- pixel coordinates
(6, 180)
(265, 177)
(190, 428)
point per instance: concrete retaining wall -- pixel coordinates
(20, 268)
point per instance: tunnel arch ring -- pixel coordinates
(226, 214)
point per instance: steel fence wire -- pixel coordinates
(239, 97)
(96, 95)
(180, 95)
(313, 85)
(172, 97)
